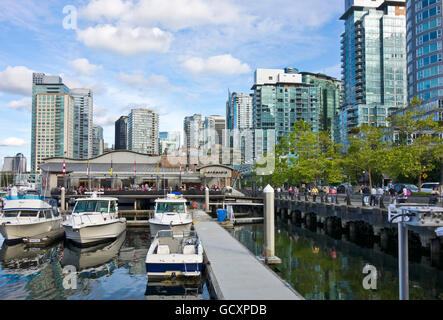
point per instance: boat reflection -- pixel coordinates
(94, 261)
(183, 289)
(20, 260)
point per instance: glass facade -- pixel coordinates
(424, 50)
(52, 119)
(83, 111)
(373, 65)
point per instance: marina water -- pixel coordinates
(110, 271)
(321, 267)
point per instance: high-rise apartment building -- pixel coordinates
(121, 133)
(329, 98)
(52, 119)
(373, 63)
(98, 143)
(143, 131)
(424, 52)
(280, 99)
(193, 128)
(83, 111)
(239, 111)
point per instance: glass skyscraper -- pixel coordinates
(373, 63)
(52, 119)
(424, 52)
(83, 111)
(121, 133)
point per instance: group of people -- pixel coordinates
(374, 196)
(326, 193)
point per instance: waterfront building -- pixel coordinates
(424, 53)
(143, 131)
(52, 119)
(280, 99)
(373, 63)
(329, 98)
(83, 113)
(121, 133)
(15, 164)
(98, 142)
(169, 141)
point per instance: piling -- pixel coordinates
(207, 200)
(403, 260)
(63, 199)
(269, 225)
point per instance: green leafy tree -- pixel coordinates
(367, 151)
(417, 143)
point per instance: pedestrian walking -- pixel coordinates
(333, 193)
(314, 193)
(373, 196)
(380, 195)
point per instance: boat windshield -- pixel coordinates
(10, 214)
(163, 207)
(91, 206)
(28, 213)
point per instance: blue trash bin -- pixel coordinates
(221, 215)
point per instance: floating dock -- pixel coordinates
(234, 272)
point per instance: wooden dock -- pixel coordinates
(44, 239)
(234, 272)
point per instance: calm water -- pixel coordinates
(320, 267)
(114, 270)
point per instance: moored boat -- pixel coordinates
(94, 220)
(171, 213)
(27, 216)
(174, 255)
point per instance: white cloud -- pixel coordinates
(13, 142)
(105, 121)
(138, 79)
(16, 80)
(126, 40)
(333, 71)
(22, 104)
(172, 14)
(222, 64)
(83, 67)
(110, 9)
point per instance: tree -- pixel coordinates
(307, 156)
(417, 143)
(368, 151)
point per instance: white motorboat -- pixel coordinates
(27, 216)
(174, 255)
(171, 213)
(94, 220)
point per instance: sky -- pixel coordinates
(178, 57)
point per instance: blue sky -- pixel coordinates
(178, 57)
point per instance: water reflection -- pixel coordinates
(321, 267)
(176, 290)
(112, 270)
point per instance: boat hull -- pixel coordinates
(14, 232)
(95, 233)
(178, 228)
(169, 270)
